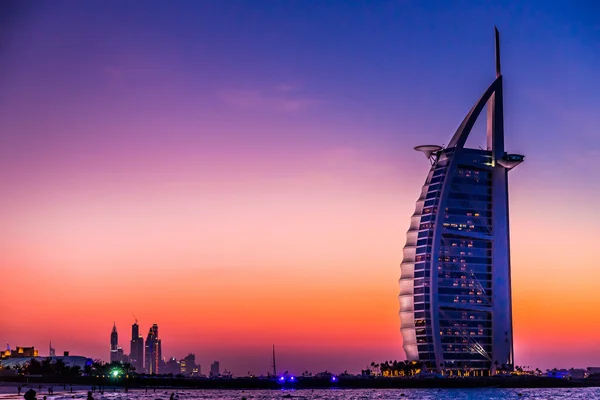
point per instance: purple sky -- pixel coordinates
(227, 132)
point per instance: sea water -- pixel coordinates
(9, 393)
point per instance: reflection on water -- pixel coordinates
(9, 393)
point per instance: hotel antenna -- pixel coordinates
(497, 51)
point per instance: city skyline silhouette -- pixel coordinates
(243, 174)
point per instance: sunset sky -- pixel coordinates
(241, 172)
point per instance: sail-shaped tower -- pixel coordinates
(455, 286)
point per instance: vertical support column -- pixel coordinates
(501, 282)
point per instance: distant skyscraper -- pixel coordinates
(188, 364)
(158, 352)
(114, 344)
(160, 360)
(153, 351)
(149, 356)
(135, 330)
(136, 354)
(455, 284)
(171, 367)
(52, 352)
(139, 366)
(140, 351)
(214, 369)
(121, 355)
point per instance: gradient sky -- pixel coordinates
(242, 172)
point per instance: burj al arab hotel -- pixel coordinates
(455, 282)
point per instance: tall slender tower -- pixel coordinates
(455, 284)
(274, 365)
(135, 330)
(157, 347)
(136, 350)
(153, 350)
(151, 367)
(114, 338)
(114, 344)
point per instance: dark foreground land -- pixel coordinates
(310, 383)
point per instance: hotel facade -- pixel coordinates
(455, 282)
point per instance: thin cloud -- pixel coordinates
(282, 97)
(242, 98)
(113, 72)
(295, 104)
(351, 159)
(120, 72)
(284, 87)
(581, 119)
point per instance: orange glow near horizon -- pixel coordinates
(242, 174)
(309, 263)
